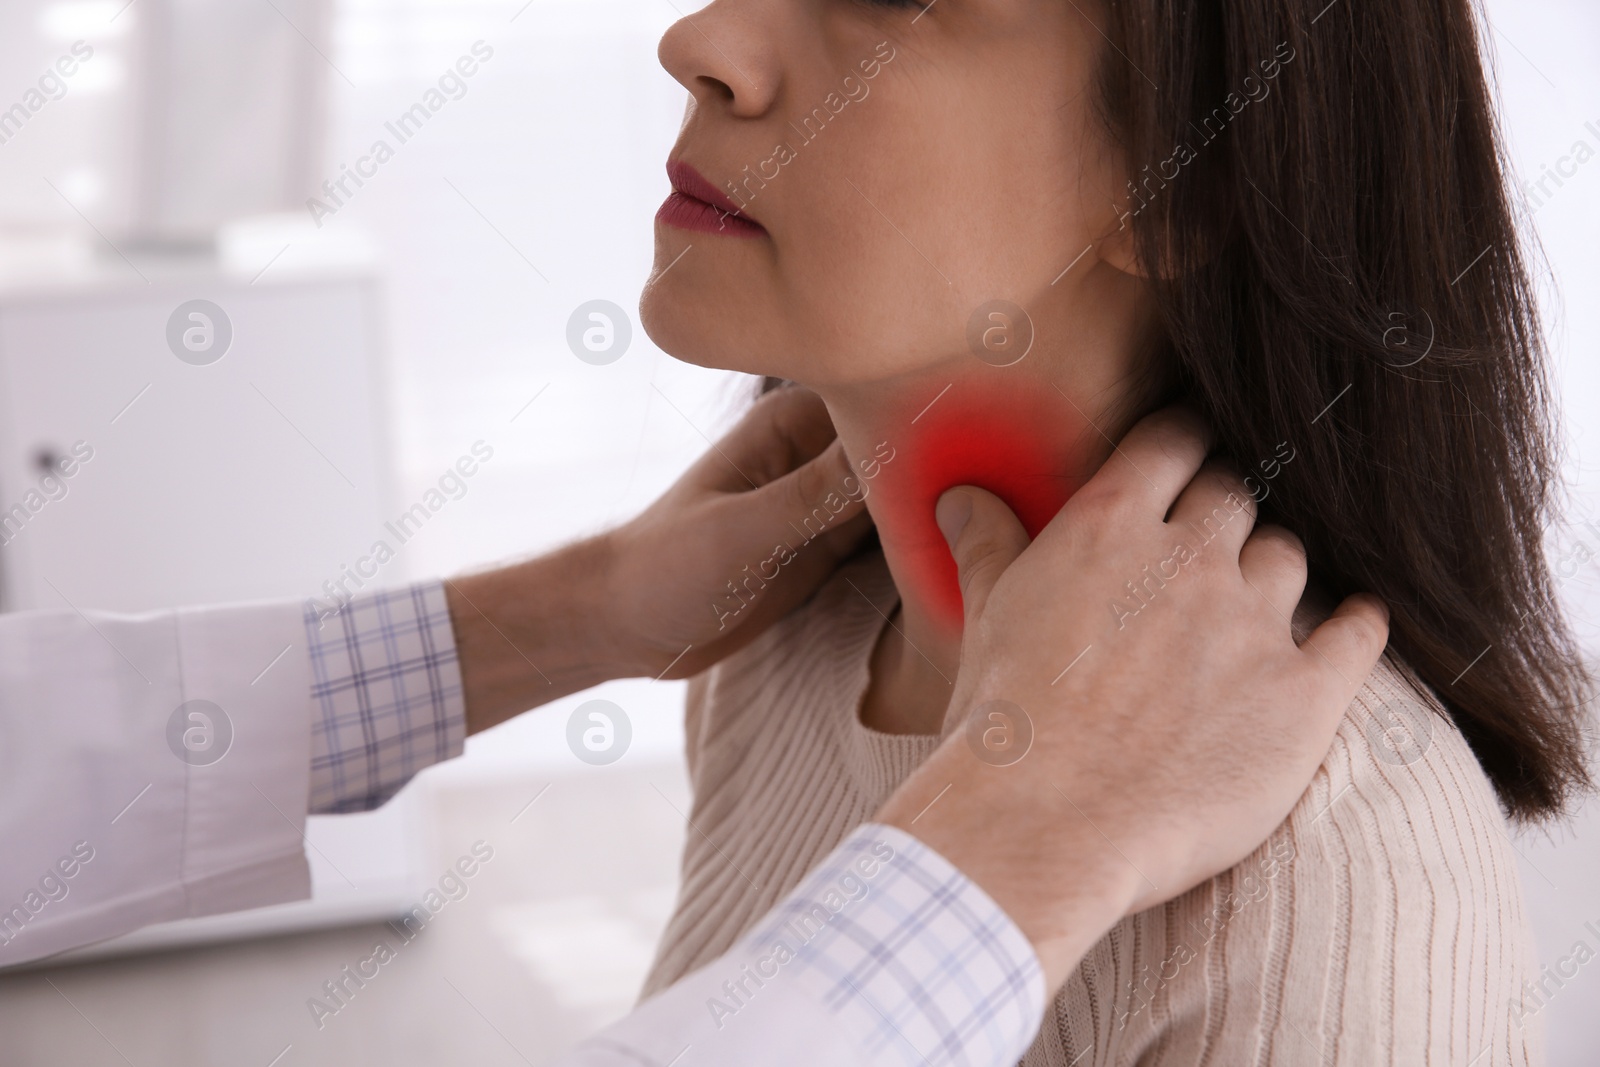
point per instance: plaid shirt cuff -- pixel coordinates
(916, 963)
(386, 695)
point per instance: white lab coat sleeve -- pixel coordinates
(786, 1028)
(152, 767)
(885, 955)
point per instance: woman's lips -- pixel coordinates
(696, 204)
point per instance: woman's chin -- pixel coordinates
(696, 338)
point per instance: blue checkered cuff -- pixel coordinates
(914, 961)
(386, 695)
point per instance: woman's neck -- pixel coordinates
(1030, 438)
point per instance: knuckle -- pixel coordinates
(1105, 503)
(1179, 427)
(1368, 635)
(1280, 551)
(980, 551)
(978, 559)
(1215, 564)
(1225, 480)
(1282, 538)
(804, 489)
(1179, 440)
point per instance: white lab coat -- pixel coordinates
(86, 771)
(105, 826)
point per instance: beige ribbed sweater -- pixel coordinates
(1381, 924)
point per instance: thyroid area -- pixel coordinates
(1018, 444)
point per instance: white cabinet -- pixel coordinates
(257, 475)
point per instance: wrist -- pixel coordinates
(531, 632)
(1052, 873)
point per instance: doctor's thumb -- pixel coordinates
(984, 537)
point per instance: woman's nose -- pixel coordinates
(725, 54)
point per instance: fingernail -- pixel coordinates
(951, 513)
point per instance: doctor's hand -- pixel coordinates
(1171, 731)
(744, 536)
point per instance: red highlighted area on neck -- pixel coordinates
(1019, 443)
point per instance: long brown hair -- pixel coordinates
(1337, 267)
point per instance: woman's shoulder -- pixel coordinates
(1401, 786)
(1414, 780)
(1397, 876)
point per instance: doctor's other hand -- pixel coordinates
(1171, 732)
(743, 537)
(740, 540)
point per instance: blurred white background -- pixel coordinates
(465, 254)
